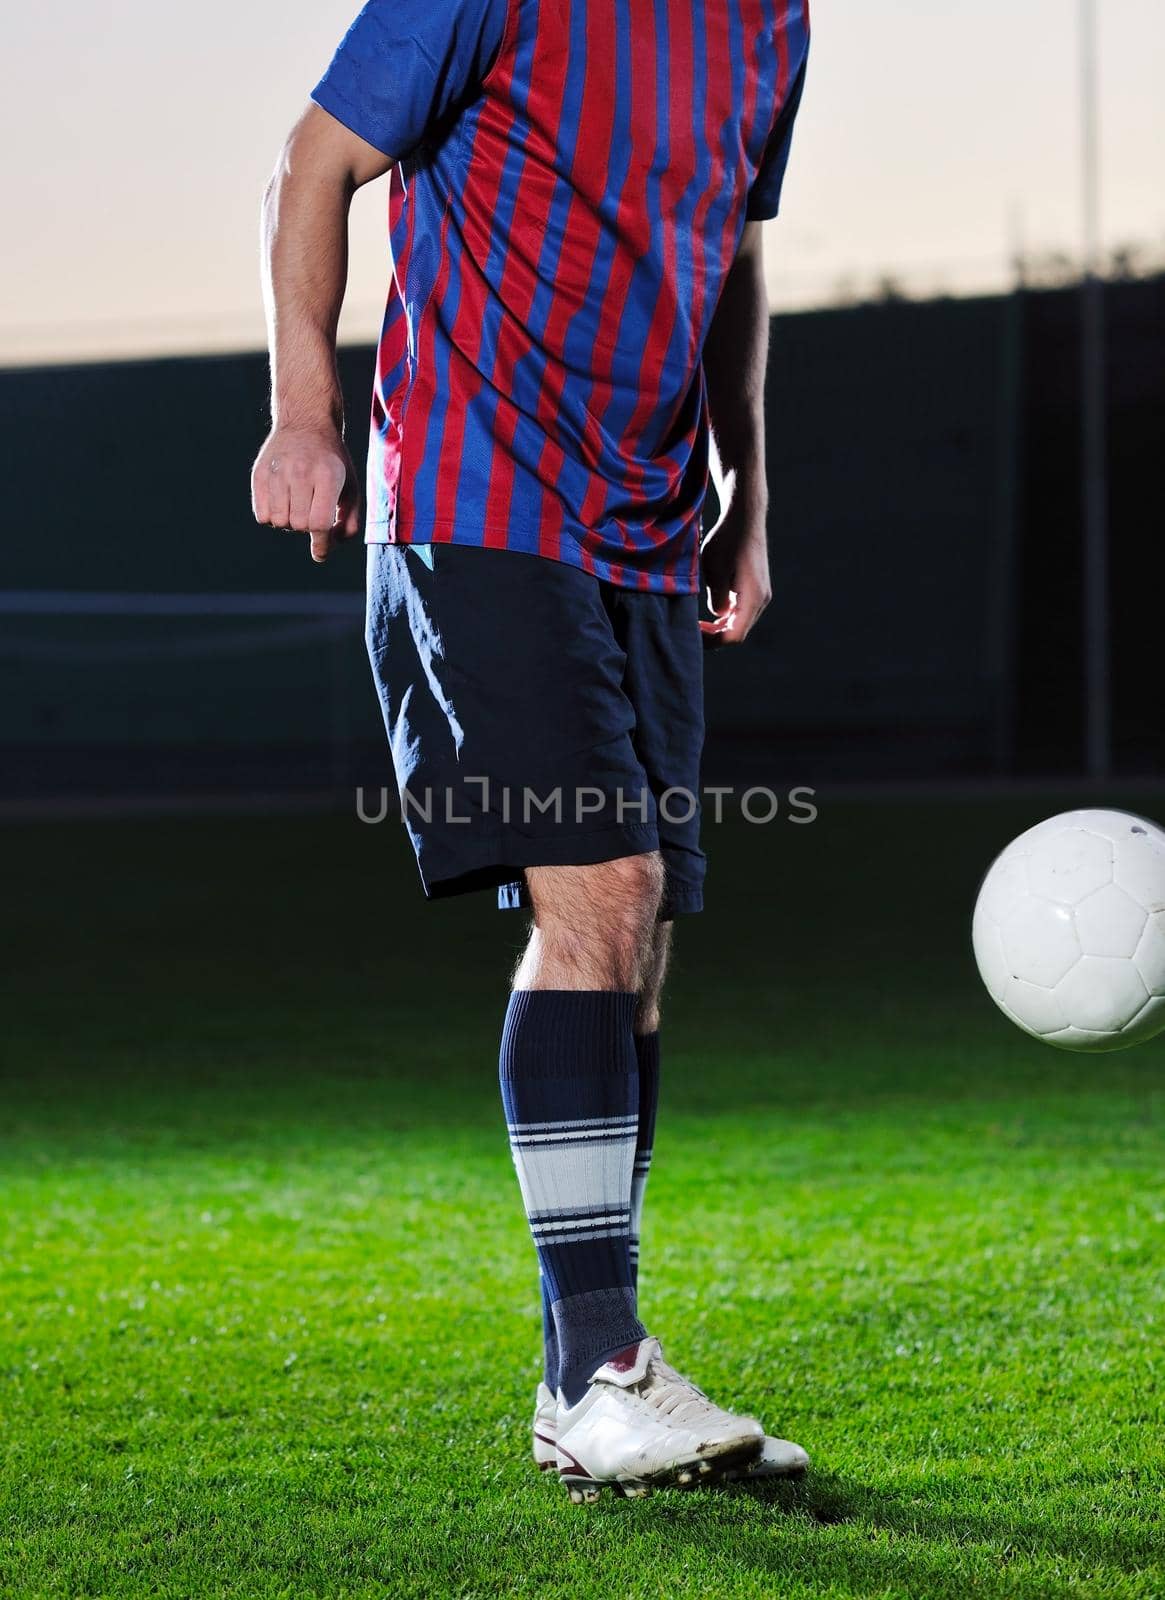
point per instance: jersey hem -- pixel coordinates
(571, 554)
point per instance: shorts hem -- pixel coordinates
(681, 902)
(515, 852)
(678, 902)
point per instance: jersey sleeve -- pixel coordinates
(404, 65)
(764, 198)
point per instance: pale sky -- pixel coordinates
(933, 137)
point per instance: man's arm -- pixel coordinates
(735, 560)
(303, 477)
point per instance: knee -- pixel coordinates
(635, 883)
(651, 988)
(631, 896)
(604, 925)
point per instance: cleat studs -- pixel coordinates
(705, 1468)
(686, 1477)
(582, 1492)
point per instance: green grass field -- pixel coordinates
(268, 1311)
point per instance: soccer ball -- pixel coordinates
(1069, 930)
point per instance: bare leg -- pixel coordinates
(594, 927)
(651, 989)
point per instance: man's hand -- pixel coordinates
(735, 567)
(304, 479)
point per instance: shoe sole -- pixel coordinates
(687, 1474)
(751, 1473)
(755, 1474)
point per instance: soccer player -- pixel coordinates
(576, 191)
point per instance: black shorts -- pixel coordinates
(538, 716)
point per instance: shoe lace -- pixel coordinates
(673, 1395)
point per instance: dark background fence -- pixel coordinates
(924, 462)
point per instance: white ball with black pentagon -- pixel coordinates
(1069, 930)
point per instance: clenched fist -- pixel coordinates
(303, 479)
(734, 563)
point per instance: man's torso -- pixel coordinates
(559, 244)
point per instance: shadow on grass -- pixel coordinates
(1005, 1529)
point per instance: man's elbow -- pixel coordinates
(279, 173)
(271, 190)
(752, 242)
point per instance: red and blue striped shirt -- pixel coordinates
(571, 179)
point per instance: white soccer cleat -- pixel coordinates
(779, 1458)
(545, 1429)
(640, 1424)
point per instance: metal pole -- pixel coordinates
(1003, 612)
(1093, 440)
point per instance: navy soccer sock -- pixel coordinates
(647, 1056)
(647, 1059)
(570, 1090)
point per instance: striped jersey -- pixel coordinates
(571, 179)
